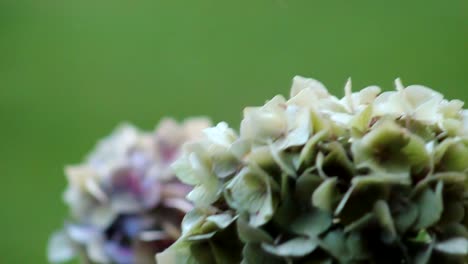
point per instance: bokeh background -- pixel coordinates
(70, 71)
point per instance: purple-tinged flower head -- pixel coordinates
(124, 200)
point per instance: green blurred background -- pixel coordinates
(71, 70)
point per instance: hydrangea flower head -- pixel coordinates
(124, 199)
(373, 177)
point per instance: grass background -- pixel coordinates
(70, 71)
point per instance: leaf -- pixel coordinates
(296, 247)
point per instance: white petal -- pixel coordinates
(60, 248)
(456, 246)
(102, 216)
(221, 134)
(300, 83)
(428, 112)
(193, 127)
(465, 122)
(388, 103)
(81, 234)
(299, 126)
(96, 252)
(349, 96)
(93, 188)
(418, 94)
(399, 85)
(367, 95)
(265, 123)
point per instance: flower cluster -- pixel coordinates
(125, 202)
(374, 177)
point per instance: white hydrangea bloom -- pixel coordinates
(318, 168)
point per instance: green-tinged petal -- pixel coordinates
(311, 224)
(261, 157)
(296, 247)
(360, 223)
(254, 254)
(201, 253)
(406, 217)
(251, 192)
(309, 151)
(262, 124)
(391, 148)
(451, 155)
(184, 170)
(360, 122)
(336, 161)
(204, 195)
(384, 217)
(356, 247)
(300, 83)
(192, 221)
(299, 127)
(306, 184)
(334, 243)
(326, 195)
(221, 220)
(430, 207)
(284, 160)
(250, 234)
